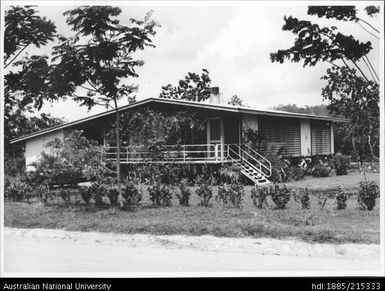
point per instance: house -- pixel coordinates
(225, 125)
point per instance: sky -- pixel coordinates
(232, 41)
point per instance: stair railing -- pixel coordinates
(251, 165)
(261, 165)
(266, 161)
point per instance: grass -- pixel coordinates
(326, 225)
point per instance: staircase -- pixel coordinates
(253, 165)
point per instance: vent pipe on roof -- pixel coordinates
(215, 96)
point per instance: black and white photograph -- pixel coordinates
(191, 139)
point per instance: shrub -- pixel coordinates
(160, 195)
(341, 199)
(259, 196)
(340, 164)
(98, 190)
(113, 195)
(367, 194)
(17, 190)
(204, 192)
(280, 195)
(303, 198)
(321, 170)
(65, 194)
(86, 194)
(184, 194)
(132, 194)
(322, 199)
(279, 165)
(296, 173)
(233, 194)
(41, 191)
(68, 161)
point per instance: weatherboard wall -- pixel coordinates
(35, 146)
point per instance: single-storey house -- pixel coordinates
(299, 134)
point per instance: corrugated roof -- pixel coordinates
(204, 105)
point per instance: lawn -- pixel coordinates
(326, 225)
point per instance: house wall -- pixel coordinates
(305, 137)
(34, 147)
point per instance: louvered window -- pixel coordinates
(320, 138)
(284, 132)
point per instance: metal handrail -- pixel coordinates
(259, 162)
(258, 154)
(244, 160)
(241, 154)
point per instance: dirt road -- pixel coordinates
(36, 251)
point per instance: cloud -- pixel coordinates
(233, 42)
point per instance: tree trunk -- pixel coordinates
(117, 131)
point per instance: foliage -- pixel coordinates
(352, 93)
(65, 194)
(252, 138)
(113, 195)
(160, 195)
(341, 164)
(193, 87)
(367, 194)
(232, 193)
(350, 98)
(16, 189)
(295, 173)
(25, 82)
(98, 59)
(279, 166)
(207, 175)
(86, 194)
(14, 166)
(132, 194)
(24, 28)
(98, 192)
(319, 44)
(315, 109)
(322, 199)
(69, 160)
(230, 173)
(280, 195)
(237, 101)
(184, 193)
(259, 196)
(321, 170)
(303, 197)
(150, 127)
(341, 198)
(205, 193)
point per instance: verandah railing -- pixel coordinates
(192, 153)
(167, 153)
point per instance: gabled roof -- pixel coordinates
(202, 105)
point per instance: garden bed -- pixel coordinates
(322, 225)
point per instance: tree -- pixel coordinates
(352, 87)
(23, 28)
(98, 58)
(193, 87)
(236, 101)
(23, 79)
(315, 109)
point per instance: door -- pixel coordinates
(214, 137)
